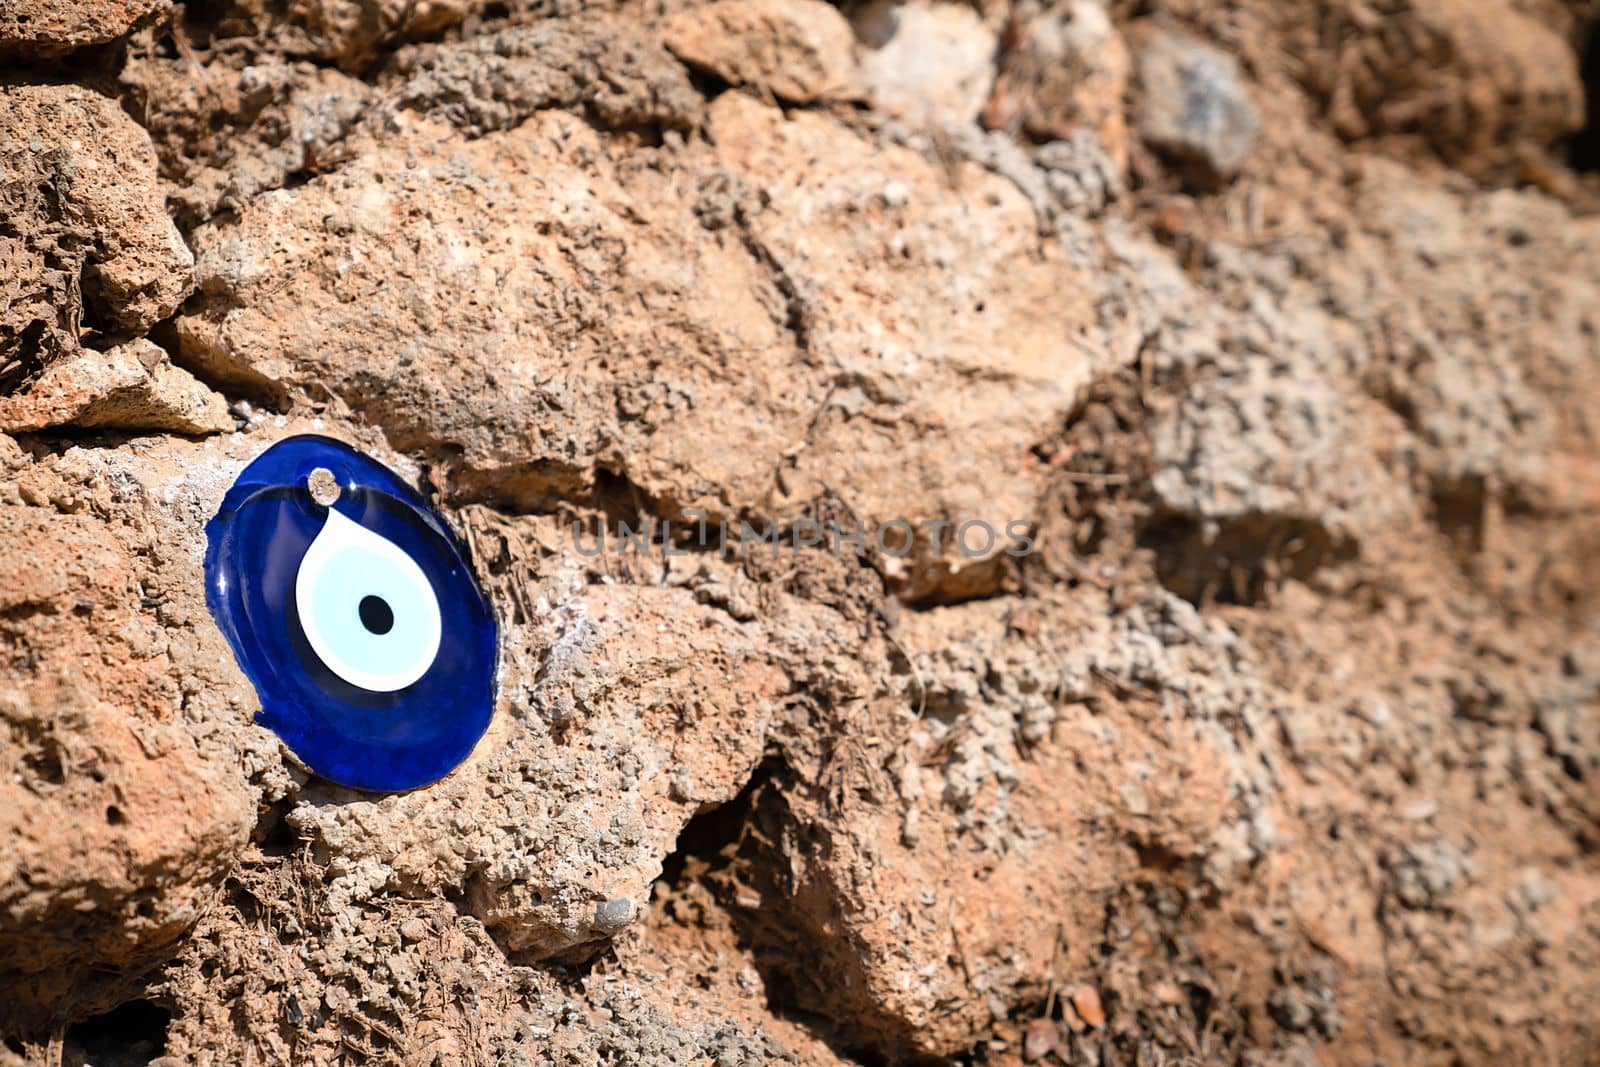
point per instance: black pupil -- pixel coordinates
(376, 614)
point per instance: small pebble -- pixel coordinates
(613, 914)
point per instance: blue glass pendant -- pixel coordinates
(369, 643)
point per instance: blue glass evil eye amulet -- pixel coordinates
(368, 641)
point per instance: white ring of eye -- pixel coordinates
(345, 564)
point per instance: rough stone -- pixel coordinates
(80, 188)
(926, 61)
(130, 387)
(798, 50)
(464, 369)
(596, 65)
(911, 340)
(118, 825)
(43, 29)
(352, 33)
(1193, 106)
(245, 129)
(461, 995)
(1282, 742)
(963, 817)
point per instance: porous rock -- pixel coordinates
(130, 387)
(246, 128)
(79, 183)
(125, 793)
(294, 284)
(946, 875)
(593, 64)
(43, 29)
(1312, 615)
(462, 997)
(798, 50)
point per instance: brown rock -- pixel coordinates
(84, 202)
(1086, 1002)
(42, 29)
(351, 33)
(1286, 736)
(527, 291)
(907, 882)
(498, 350)
(798, 50)
(37, 300)
(1066, 71)
(1481, 79)
(132, 387)
(117, 828)
(982, 333)
(1040, 1038)
(239, 132)
(249, 128)
(494, 81)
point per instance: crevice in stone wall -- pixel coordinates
(131, 1035)
(1586, 143)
